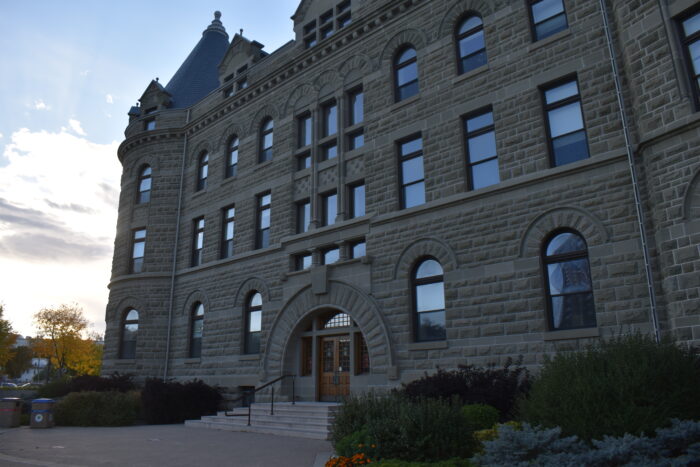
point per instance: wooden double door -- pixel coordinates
(335, 361)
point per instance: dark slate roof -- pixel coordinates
(198, 75)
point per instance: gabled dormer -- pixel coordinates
(316, 20)
(154, 98)
(240, 56)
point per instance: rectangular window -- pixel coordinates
(150, 124)
(412, 178)
(310, 35)
(330, 119)
(567, 134)
(331, 255)
(357, 107)
(262, 237)
(303, 161)
(326, 31)
(304, 124)
(690, 32)
(303, 216)
(302, 261)
(138, 248)
(342, 13)
(198, 241)
(228, 92)
(482, 160)
(358, 249)
(356, 140)
(329, 203)
(329, 151)
(356, 197)
(548, 18)
(229, 230)
(242, 84)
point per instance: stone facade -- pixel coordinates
(488, 241)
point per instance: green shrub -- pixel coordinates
(497, 387)
(58, 387)
(114, 382)
(626, 385)
(480, 416)
(166, 402)
(91, 408)
(393, 426)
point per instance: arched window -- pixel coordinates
(340, 320)
(144, 185)
(568, 282)
(202, 171)
(429, 301)
(196, 327)
(253, 323)
(266, 140)
(232, 163)
(405, 74)
(471, 50)
(130, 328)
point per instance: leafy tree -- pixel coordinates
(7, 339)
(20, 362)
(60, 339)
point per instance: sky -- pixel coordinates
(70, 72)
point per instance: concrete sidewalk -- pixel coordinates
(156, 445)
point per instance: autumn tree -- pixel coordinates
(20, 362)
(60, 339)
(7, 339)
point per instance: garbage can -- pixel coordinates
(10, 409)
(42, 413)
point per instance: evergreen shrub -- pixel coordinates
(480, 416)
(58, 387)
(166, 402)
(91, 408)
(628, 384)
(114, 382)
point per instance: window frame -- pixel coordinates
(231, 148)
(406, 157)
(195, 344)
(398, 66)
(133, 269)
(547, 108)
(202, 171)
(125, 321)
(248, 333)
(533, 25)
(326, 205)
(352, 202)
(305, 130)
(415, 283)
(685, 42)
(473, 134)
(197, 238)
(228, 245)
(303, 216)
(326, 251)
(259, 229)
(470, 32)
(265, 153)
(143, 196)
(546, 260)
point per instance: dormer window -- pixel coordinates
(310, 34)
(149, 124)
(342, 13)
(242, 84)
(228, 92)
(242, 69)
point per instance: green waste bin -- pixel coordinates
(42, 413)
(10, 409)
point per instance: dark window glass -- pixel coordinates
(356, 140)
(358, 249)
(412, 179)
(429, 301)
(357, 107)
(138, 249)
(228, 92)
(242, 84)
(305, 124)
(330, 256)
(253, 325)
(470, 44)
(196, 328)
(303, 216)
(329, 203)
(548, 17)
(303, 161)
(130, 328)
(150, 124)
(232, 164)
(568, 282)
(344, 21)
(565, 126)
(266, 138)
(406, 74)
(302, 261)
(262, 239)
(198, 242)
(690, 32)
(357, 200)
(202, 171)
(482, 160)
(330, 119)
(326, 31)
(229, 230)
(144, 185)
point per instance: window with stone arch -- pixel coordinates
(471, 46)
(266, 139)
(567, 281)
(202, 171)
(129, 333)
(405, 73)
(196, 328)
(428, 288)
(144, 194)
(253, 323)
(232, 159)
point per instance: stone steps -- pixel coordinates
(303, 419)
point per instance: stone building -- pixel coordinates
(411, 184)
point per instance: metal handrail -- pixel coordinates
(272, 398)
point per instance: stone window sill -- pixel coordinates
(571, 334)
(471, 74)
(250, 357)
(545, 42)
(433, 345)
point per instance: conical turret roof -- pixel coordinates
(198, 75)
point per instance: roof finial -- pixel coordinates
(241, 32)
(217, 15)
(216, 25)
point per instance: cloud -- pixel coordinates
(109, 99)
(84, 72)
(39, 104)
(1, 135)
(75, 125)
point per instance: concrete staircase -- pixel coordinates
(302, 420)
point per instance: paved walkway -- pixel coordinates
(156, 445)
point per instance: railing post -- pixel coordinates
(294, 397)
(272, 402)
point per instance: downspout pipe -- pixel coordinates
(654, 318)
(171, 299)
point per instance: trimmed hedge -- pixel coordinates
(91, 408)
(167, 402)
